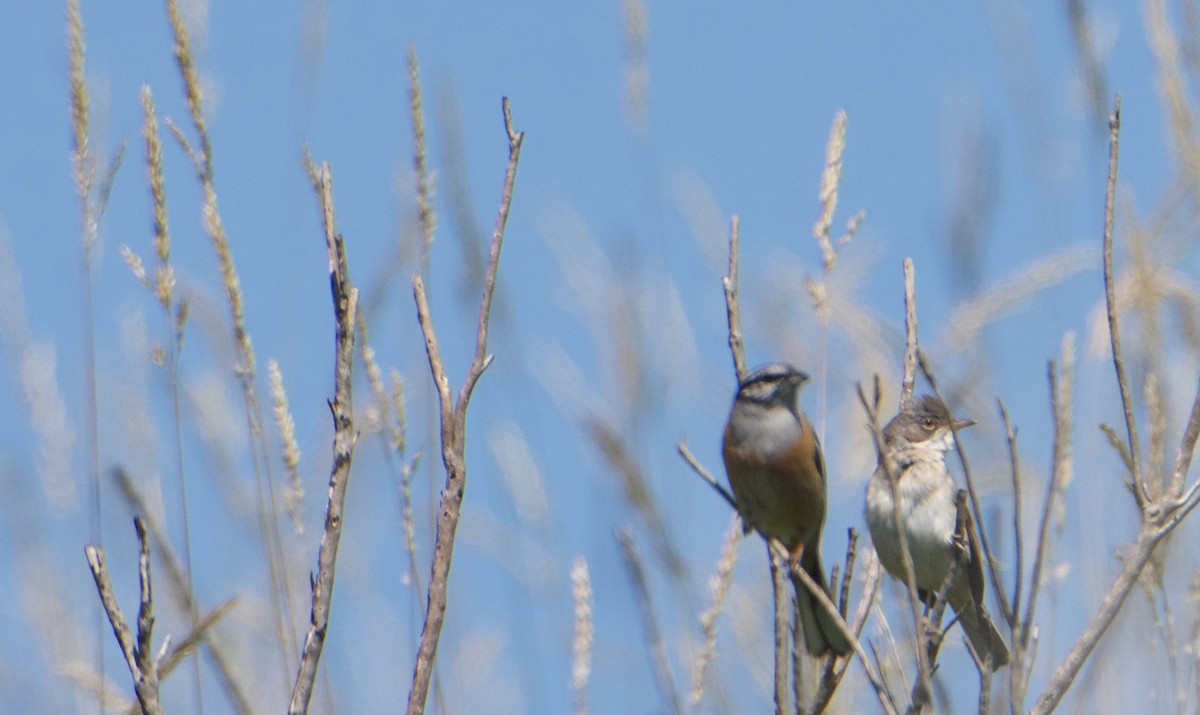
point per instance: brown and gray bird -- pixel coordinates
(935, 516)
(777, 474)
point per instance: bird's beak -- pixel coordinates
(962, 424)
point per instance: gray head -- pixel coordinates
(924, 421)
(775, 384)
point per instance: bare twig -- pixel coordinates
(835, 668)
(139, 655)
(453, 430)
(178, 587)
(1159, 516)
(819, 595)
(1139, 553)
(1110, 301)
(345, 306)
(732, 308)
(686, 453)
(781, 599)
(1010, 436)
(908, 385)
(651, 631)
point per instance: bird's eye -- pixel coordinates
(929, 423)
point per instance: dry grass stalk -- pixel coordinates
(247, 370)
(425, 182)
(293, 496)
(581, 666)
(830, 181)
(718, 587)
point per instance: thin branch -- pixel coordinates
(1110, 301)
(178, 587)
(1010, 436)
(835, 668)
(780, 600)
(732, 309)
(1159, 518)
(1140, 553)
(823, 601)
(686, 453)
(453, 430)
(139, 655)
(910, 332)
(1060, 410)
(345, 307)
(482, 359)
(1183, 460)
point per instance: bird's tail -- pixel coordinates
(821, 633)
(982, 632)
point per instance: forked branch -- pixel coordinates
(143, 666)
(453, 430)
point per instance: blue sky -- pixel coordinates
(607, 216)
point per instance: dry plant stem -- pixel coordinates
(732, 308)
(167, 662)
(780, 599)
(797, 657)
(177, 581)
(192, 640)
(923, 688)
(1010, 436)
(650, 630)
(164, 280)
(1110, 299)
(83, 165)
(1142, 549)
(818, 594)
(1159, 517)
(909, 382)
(345, 306)
(835, 668)
(266, 508)
(138, 655)
(1060, 409)
(453, 430)
(686, 453)
(425, 214)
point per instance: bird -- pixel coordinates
(938, 523)
(777, 473)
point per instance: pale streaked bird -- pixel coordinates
(938, 523)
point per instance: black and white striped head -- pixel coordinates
(775, 384)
